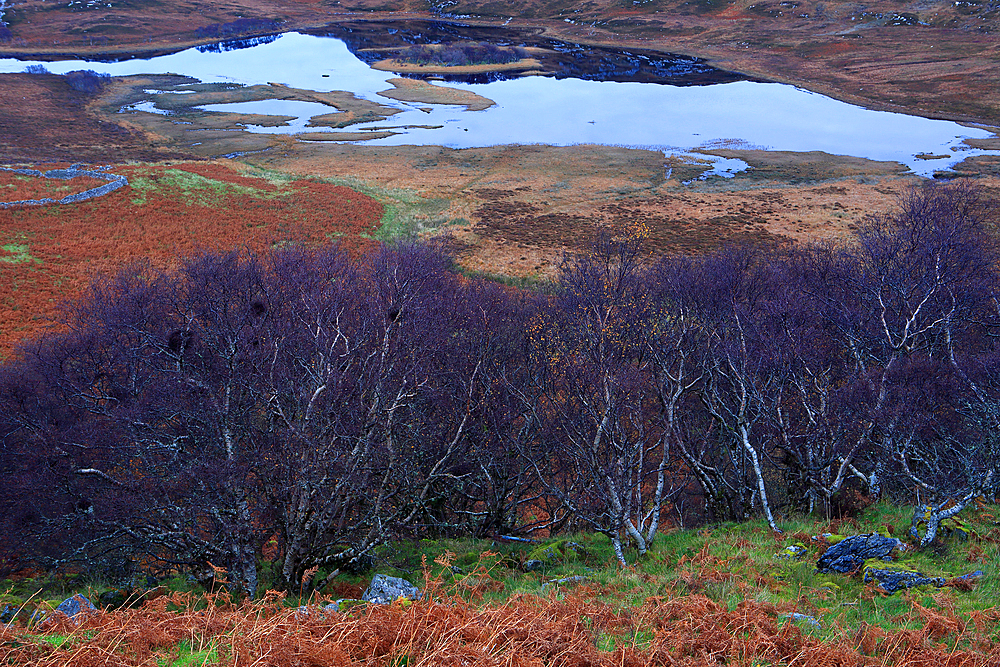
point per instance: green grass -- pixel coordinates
(728, 563)
(55, 640)
(197, 189)
(406, 213)
(185, 654)
(17, 253)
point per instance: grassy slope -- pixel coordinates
(701, 597)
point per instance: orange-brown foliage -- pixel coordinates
(74, 242)
(16, 187)
(689, 631)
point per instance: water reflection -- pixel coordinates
(565, 111)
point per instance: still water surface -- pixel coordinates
(675, 119)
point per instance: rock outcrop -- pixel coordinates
(851, 553)
(896, 579)
(77, 607)
(385, 589)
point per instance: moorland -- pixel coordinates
(608, 409)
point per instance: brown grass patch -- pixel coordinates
(415, 90)
(686, 631)
(162, 222)
(19, 187)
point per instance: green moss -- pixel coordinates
(557, 552)
(197, 189)
(17, 253)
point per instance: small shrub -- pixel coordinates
(87, 81)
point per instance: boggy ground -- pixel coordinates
(512, 210)
(515, 210)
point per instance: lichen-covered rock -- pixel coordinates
(896, 579)
(8, 614)
(851, 553)
(342, 605)
(77, 607)
(792, 552)
(385, 589)
(575, 579)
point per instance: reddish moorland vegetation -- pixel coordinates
(525, 631)
(49, 254)
(21, 187)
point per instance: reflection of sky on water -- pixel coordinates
(567, 111)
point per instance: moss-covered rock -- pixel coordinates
(830, 586)
(557, 552)
(795, 551)
(851, 553)
(893, 577)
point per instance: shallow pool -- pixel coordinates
(561, 112)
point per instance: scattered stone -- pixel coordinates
(575, 579)
(532, 565)
(794, 616)
(851, 553)
(77, 607)
(385, 589)
(8, 614)
(892, 580)
(792, 552)
(966, 582)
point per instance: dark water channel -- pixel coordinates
(371, 41)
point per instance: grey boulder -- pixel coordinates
(892, 581)
(385, 589)
(851, 553)
(77, 607)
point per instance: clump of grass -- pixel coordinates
(17, 253)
